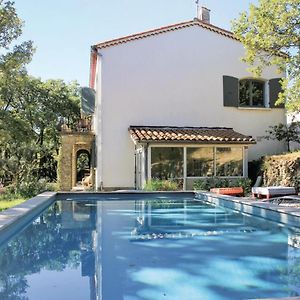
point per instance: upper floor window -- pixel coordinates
(251, 93)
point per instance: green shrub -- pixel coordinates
(202, 185)
(162, 185)
(245, 183)
(32, 188)
(29, 188)
(52, 186)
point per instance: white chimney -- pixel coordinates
(204, 14)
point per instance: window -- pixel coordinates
(200, 162)
(229, 161)
(166, 162)
(251, 93)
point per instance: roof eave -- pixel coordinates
(165, 29)
(246, 143)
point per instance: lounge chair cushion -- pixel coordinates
(274, 190)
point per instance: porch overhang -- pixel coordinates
(189, 135)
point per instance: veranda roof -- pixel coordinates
(199, 135)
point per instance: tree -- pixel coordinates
(31, 137)
(270, 34)
(30, 110)
(287, 133)
(13, 59)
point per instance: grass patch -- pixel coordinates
(7, 203)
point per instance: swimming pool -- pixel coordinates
(168, 247)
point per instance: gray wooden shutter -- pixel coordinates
(230, 91)
(274, 89)
(88, 100)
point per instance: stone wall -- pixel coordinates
(71, 143)
(282, 170)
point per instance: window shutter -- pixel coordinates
(230, 91)
(274, 89)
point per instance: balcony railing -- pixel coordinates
(83, 125)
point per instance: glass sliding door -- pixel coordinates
(200, 162)
(166, 162)
(229, 161)
(186, 164)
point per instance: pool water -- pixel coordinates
(149, 249)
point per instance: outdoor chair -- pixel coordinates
(272, 191)
(258, 181)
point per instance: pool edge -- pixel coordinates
(20, 214)
(289, 216)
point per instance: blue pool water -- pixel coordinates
(149, 249)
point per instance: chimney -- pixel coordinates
(204, 14)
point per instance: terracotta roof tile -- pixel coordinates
(153, 32)
(219, 135)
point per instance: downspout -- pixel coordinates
(245, 161)
(93, 67)
(135, 173)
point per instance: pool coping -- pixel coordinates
(13, 218)
(289, 216)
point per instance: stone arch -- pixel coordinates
(83, 164)
(79, 148)
(72, 144)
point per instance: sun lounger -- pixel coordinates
(272, 191)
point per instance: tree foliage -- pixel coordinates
(287, 133)
(270, 33)
(13, 59)
(31, 110)
(30, 128)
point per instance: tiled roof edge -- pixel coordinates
(165, 29)
(147, 133)
(176, 127)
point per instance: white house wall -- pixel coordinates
(173, 79)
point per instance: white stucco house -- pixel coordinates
(178, 102)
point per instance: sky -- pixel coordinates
(64, 30)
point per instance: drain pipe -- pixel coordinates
(135, 165)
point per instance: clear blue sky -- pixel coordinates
(64, 30)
